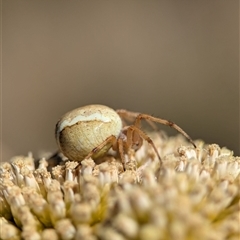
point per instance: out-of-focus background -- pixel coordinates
(177, 60)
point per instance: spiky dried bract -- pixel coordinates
(193, 194)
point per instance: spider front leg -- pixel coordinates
(164, 122)
(111, 140)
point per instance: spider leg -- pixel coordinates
(120, 149)
(111, 139)
(133, 128)
(129, 133)
(164, 122)
(131, 116)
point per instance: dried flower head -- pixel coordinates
(193, 194)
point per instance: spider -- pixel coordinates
(90, 131)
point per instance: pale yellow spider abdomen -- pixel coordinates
(81, 130)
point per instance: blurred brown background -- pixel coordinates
(178, 60)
